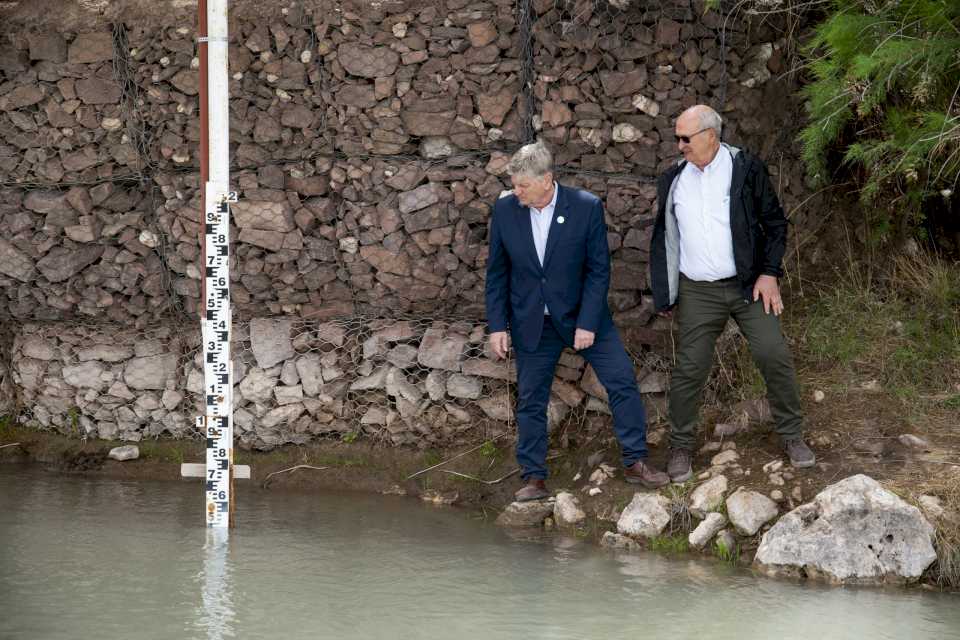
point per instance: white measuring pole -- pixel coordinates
(217, 422)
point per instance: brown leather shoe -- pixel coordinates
(645, 475)
(534, 490)
(679, 468)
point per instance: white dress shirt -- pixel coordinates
(702, 200)
(540, 220)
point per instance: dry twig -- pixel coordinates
(459, 455)
(294, 468)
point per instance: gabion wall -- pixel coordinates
(369, 141)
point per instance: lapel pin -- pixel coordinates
(560, 220)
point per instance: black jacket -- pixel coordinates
(757, 223)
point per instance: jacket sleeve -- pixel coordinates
(772, 221)
(596, 273)
(497, 290)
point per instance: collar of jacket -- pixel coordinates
(739, 168)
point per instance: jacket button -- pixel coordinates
(543, 280)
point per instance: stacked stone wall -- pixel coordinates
(368, 142)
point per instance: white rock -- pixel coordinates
(913, 441)
(257, 386)
(773, 466)
(376, 380)
(776, 479)
(288, 373)
(931, 505)
(710, 526)
(120, 390)
(710, 447)
(402, 356)
(461, 386)
(526, 514)
(436, 385)
(270, 340)
(398, 386)
(84, 376)
(724, 457)
(599, 476)
(776, 495)
(854, 531)
(436, 147)
(625, 132)
(105, 352)
(310, 371)
(819, 396)
(282, 415)
(646, 105)
(38, 348)
(150, 372)
(595, 491)
(126, 452)
(708, 496)
(612, 540)
(567, 510)
(375, 415)
(646, 516)
(749, 510)
(288, 394)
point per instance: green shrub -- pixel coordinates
(885, 97)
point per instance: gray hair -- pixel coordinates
(710, 119)
(534, 160)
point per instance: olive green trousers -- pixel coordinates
(702, 314)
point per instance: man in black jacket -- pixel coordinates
(716, 252)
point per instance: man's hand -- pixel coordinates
(583, 339)
(767, 289)
(668, 314)
(498, 343)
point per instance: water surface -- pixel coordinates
(97, 558)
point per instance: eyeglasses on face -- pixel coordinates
(686, 139)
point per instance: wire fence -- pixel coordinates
(368, 144)
(409, 381)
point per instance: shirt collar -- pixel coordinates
(553, 200)
(714, 164)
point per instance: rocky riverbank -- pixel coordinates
(818, 524)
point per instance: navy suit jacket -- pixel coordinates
(573, 280)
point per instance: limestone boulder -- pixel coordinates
(646, 516)
(749, 510)
(526, 514)
(853, 532)
(150, 372)
(270, 340)
(704, 532)
(567, 511)
(708, 496)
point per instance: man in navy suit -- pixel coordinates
(547, 278)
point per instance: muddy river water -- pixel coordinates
(95, 558)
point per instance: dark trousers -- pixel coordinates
(704, 308)
(614, 369)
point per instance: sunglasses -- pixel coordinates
(686, 139)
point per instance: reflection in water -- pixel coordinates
(87, 558)
(216, 615)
